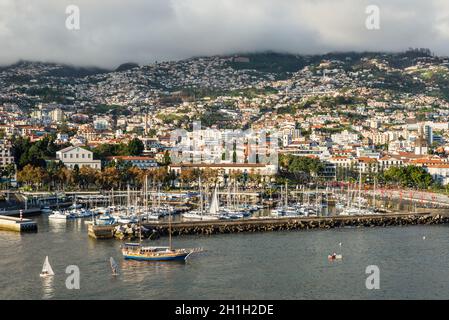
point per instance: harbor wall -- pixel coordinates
(155, 229)
(285, 224)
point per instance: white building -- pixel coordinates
(62, 137)
(101, 123)
(439, 172)
(5, 153)
(76, 155)
(57, 115)
(345, 137)
(227, 168)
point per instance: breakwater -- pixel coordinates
(155, 229)
(302, 223)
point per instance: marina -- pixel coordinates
(212, 211)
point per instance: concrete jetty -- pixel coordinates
(17, 224)
(100, 231)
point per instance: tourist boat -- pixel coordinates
(136, 251)
(47, 271)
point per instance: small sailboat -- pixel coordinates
(114, 267)
(214, 208)
(47, 271)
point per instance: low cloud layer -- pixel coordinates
(116, 31)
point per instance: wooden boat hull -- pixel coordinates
(172, 257)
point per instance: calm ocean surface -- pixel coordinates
(278, 265)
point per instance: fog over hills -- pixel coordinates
(145, 31)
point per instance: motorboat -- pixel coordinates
(58, 215)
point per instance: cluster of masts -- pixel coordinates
(133, 210)
(146, 205)
(307, 207)
(352, 203)
(212, 209)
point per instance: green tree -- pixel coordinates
(135, 147)
(407, 176)
(300, 168)
(167, 159)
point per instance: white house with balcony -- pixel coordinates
(77, 155)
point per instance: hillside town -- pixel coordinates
(240, 114)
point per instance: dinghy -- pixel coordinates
(335, 257)
(47, 271)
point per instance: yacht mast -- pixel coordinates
(360, 188)
(169, 229)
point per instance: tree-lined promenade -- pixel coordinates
(37, 169)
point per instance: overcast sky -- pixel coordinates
(116, 31)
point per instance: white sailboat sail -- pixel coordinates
(46, 269)
(214, 209)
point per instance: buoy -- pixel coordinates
(424, 237)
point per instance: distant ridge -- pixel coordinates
(59, 70)
(127, 66)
